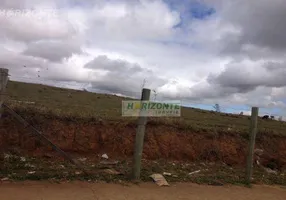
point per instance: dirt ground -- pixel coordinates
(102, 191)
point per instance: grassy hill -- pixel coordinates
(83, 105)
(199, 140)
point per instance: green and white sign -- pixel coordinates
(151, 109)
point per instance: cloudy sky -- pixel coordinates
(210, 51)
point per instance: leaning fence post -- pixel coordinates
(3, 84)
(139, 140)
(252, 136)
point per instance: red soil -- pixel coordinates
(161, 142)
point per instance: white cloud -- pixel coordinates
(152, 19)
(26, 28)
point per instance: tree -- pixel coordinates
(217, 107)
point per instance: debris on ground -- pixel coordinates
(195, 172)
(32, 172)
(23, 159)
(258, 152)
(112, 172)
(47, 155)
(167, 174)
(159, 180)
(270, 171)
(109, 162)
(29, 165)
(62, 166)
(7, 156)
(5, 179)
(82, 159)
(77, 173)
(104, 156)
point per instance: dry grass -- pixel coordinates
(208, 173)
(34, 168)
(79, 106)
(61, 102)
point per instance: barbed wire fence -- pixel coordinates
(154, 96)
(3, 96)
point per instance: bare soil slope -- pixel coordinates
(85, 122)
(161, 142)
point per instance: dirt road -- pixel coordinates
(104, 191)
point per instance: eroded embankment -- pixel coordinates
(161, 141)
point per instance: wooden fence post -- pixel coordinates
(252, 136)
(139, 140)
(3, 84)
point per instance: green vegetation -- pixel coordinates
(85, 105)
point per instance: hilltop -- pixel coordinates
(85, 105)
(89, 124)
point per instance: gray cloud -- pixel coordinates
(11, 60)
(121, 76)
(53, 50)
(250, 83)
(118, 66)
(259, 24)
(247, 78)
